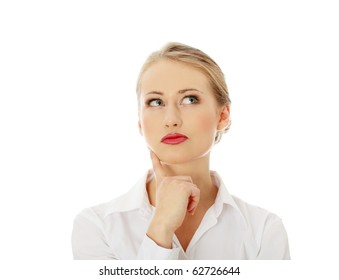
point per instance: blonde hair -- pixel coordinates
(198, 59)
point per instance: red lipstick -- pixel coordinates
(174, 138)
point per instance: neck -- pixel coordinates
(198, 170)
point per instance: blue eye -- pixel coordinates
(191, 99)
(154, 102)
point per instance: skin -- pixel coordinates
(177, 98)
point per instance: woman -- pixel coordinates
(180, 209)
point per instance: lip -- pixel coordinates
(174, 138)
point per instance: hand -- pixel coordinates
(175, 196)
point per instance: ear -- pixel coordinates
(224, 117)
(140, 128)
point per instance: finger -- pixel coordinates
(193, 200)
(157, 167)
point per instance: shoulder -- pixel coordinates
(133, 199)
(102, 210)
(266, 229)
(255, 215)
(252, 215)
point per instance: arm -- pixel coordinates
(89, 242)
(274, 244)
(175, 197)
(150, 250)
(88, 239)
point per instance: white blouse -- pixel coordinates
(230, 229)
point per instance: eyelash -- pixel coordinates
(148, 102)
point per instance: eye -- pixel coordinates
(154, 102)
(191, 99)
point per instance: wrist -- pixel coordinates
(161, 234)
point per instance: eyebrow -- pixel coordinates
(182, 91)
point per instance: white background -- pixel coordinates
(68, 114)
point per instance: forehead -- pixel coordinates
(166, 75)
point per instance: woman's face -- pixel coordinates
(178, 113)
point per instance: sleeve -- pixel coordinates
(274, 244)
(150, 250)
(88, 239)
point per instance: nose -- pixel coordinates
(172, 117)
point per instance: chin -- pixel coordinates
(171, 158)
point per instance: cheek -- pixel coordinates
(148, 124)
(207, 121)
